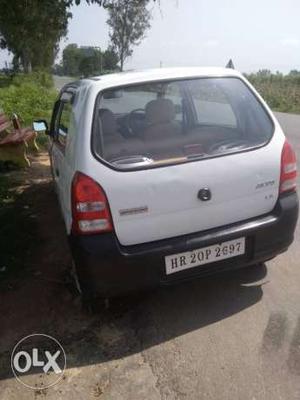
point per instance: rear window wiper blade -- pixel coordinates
(196, 156)
(136, 160)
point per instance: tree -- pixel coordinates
(102, 3)
(58, 70)
(71, 59)
(110, 60)
(93, 57)
(294, 73)
(264, 73)
(86, 66)
(128, 21)
(31, 30)
(84, 61)
(91, 61)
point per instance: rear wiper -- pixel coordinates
(199, 155)
(136, 161)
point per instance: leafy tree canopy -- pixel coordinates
(87, 61)
(31, 30)
(103, 3)
(110, 60)
(128, 21)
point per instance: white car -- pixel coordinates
(169, 174)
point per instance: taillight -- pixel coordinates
(90, 207)
(288, 175)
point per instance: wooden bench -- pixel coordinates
(15, 141)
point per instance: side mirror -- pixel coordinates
(40, 126)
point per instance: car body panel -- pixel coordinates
(168, 195)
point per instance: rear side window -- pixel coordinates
(64, 122)
(161, 123)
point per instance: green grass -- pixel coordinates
(17, 231)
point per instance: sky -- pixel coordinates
(256, 35)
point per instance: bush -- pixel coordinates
(41, 78)
(281, 92)
(29, 96)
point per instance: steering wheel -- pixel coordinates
(131, 122)
(228, 144)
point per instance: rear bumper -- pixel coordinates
(105, 266)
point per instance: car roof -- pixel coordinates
(133, 76)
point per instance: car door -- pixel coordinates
(61, 123)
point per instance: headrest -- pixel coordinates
(108, 121)
(160, 111)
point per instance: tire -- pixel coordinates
(83, 290)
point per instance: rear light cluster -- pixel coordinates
(90, 209)
(288, 177)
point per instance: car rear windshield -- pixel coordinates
(159, 123)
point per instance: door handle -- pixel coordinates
(57, 172)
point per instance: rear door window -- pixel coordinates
(62, 118)
(161, 123)
(64, 122)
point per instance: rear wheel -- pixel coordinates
(91, 301)
(82, 289)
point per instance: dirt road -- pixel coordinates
(235, 336)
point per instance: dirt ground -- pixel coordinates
(44, 302)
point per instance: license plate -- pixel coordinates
(210, 254)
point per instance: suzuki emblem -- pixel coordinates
(204, 194)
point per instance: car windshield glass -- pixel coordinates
(171, 122)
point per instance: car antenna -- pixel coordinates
(230, 64)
